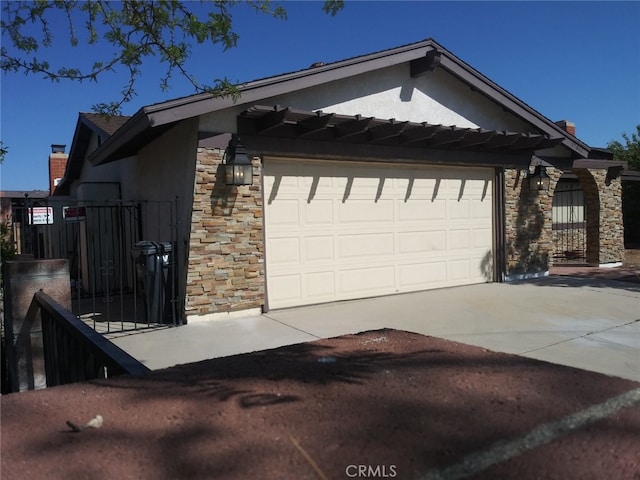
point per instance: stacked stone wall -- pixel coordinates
(528, 223)
(603, 202)
(226, 250)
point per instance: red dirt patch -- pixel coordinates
(401, 403)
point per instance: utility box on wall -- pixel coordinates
(25, 354)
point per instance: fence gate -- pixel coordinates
(111, 288)
(569, 223)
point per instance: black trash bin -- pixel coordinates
(154, 279)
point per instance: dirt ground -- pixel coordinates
(380, 404)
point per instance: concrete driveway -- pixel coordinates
(588, 323)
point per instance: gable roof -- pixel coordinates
(153, 120)
(103, 125)
(88, 123)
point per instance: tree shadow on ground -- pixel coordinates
(382, 397)
(577, 280)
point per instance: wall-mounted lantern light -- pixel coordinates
(239, 170)
(539, 180)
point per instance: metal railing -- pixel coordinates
(569, 224)
(73, 351)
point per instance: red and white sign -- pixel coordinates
(40, 215)
(74, 214)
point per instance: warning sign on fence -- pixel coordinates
(41, 216)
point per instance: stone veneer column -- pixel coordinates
(603, 202)
(226, 251)
(528, 224)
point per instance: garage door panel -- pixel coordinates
(417, 186)
(459, 270)
(481, 210)
(422, 275)
(422, 209)
(481, 237)
(284, 250)
(318, 212)
(286, 288)
(367, 230)
(286, 213)
(320, 285)
(458, 210)
(419, 242)
(365, 211)
(364, 280)
(373, 245)
(319, 249)
(281, 183)
(459, 239)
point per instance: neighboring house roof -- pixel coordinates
(24, 194)
(153, 120)
(103, 126)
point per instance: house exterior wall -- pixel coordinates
(225, 270)
(163, 171)
(109, 173)
(437, 98)
(528, 224)
(529, 220)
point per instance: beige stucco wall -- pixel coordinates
(437, 98)
(164, 171)
(110, 173)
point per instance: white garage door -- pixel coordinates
(342, 230)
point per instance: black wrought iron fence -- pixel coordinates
(117, 284)
(569, 224)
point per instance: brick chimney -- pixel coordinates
(567, 126)
(57, 166)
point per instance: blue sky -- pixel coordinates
(578, 61)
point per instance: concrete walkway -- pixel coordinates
(584, 322)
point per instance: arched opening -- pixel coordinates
(592, 214)
(569, 222)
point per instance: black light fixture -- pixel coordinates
(239, 170)
(539, 180)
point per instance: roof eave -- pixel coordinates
(109, 150)
(173, 111)
(484, 85)
(180, 109)
(76, 156)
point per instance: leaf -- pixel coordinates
(128, 32)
